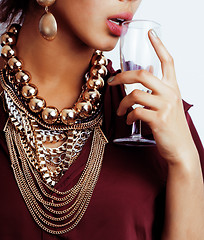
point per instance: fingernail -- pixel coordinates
(154, 34)
(111, 79)
(128, 122)
(118, 112)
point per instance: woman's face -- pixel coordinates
(92, 21)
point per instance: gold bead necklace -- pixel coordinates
(87, 103)
(56, 212)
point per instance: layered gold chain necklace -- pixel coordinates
(32, 123)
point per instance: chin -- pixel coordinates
(107, 45)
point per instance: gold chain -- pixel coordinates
(75, 199)
(56, 212)
(59, 127)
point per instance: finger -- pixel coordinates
(139, 76)
(146, 115)
(167, 62)
(138, 97)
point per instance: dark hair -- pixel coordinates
(12, 9)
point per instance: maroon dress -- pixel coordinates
(128, 201)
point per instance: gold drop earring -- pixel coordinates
(48, 23)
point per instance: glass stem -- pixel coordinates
(136, 129)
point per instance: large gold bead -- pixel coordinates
(99, 60)
(95, 82)
(7, 52)
(8, 39)
(98, 70)
(48, 26)
(22, 77)
(50, 115)
(83, 108)
(14, 28)
(37, 104)
(45, 3)
(68, 116)
(14, 64)
(29, 91)
(91, 95)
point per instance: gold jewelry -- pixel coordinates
(42, 199)
(68, 207)
(87, 103)
(56, 212)
(48, 23)
(51, 163)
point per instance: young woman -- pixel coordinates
(61, 175)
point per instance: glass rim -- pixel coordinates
(157, 25)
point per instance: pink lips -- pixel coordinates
(114, 28)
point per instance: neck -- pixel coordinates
(57, 67)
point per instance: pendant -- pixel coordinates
(48, 26)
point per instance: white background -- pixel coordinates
(183, 34)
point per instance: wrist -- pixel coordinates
(186, 164)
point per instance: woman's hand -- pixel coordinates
(184, 215)
(164, 113)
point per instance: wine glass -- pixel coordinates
(137, 52)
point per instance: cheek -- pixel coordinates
(91, 28)
(95, 34)
(86, 19)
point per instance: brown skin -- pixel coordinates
(63, 61)
(184, 217)
(57, 68)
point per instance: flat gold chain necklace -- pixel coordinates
(63, 156)
(63, 211)
(56, 212)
